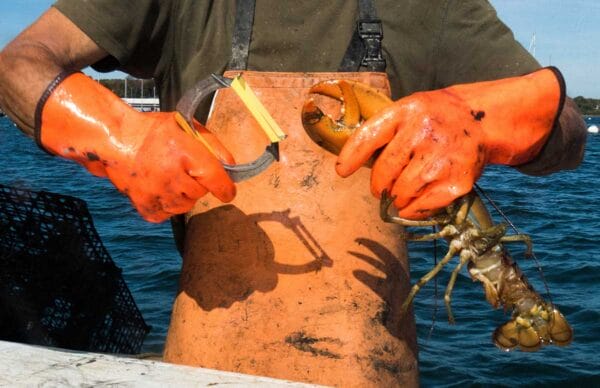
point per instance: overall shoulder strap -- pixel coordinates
(365, 48)
(240, 44)
(242, 33)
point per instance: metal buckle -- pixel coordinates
(370, 29)
(371, 33)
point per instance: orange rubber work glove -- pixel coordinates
(438, 142)
(147, 156)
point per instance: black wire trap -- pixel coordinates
(58, 284)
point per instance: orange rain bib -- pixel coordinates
(298, 278)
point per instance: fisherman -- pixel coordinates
(296, 276)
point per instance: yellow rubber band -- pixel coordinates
(260, 113)
(192, 131)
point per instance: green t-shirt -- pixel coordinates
(428, 44)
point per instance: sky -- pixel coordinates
(567, 34)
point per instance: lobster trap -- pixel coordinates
(58, 285)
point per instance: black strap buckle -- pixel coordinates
(371, 33)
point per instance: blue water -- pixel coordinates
(560, 212)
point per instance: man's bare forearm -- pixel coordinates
(34, 58)
(24, 75)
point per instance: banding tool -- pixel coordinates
(189, 102)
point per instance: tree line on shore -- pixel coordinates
(138, 88)
(588, 106)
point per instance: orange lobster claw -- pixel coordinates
(359, 102)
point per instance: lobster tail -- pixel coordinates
(512, 334)
(543, 325)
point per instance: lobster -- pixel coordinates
(466, 225)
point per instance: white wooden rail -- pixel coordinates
(26, 366)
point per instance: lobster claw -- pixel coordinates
(359, 102)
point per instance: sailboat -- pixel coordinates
(532, 45)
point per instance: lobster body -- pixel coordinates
(479, 243)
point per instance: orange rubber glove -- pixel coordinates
(438, 142)
(147, 156)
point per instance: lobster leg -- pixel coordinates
(520, 238)
(384, 206)
(427, 277)
(447, 231)
(450, 286)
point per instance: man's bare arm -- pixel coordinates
(35, 57)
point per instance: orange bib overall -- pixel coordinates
(298, 278)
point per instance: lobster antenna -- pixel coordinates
(514, 228)
(435, 290)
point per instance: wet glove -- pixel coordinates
(147, 156)
(438, 142)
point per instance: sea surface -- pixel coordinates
(561, 212)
